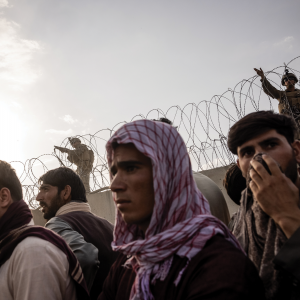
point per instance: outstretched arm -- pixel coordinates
(268, 88)
(62, 149)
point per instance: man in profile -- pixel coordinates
(63, 200)
(171, 246)
(35, 263)
(267, 224)
(82, 157)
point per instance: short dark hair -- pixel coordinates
(10, 180)
(63, 176)
(257, 123)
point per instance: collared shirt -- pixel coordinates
(36, 270)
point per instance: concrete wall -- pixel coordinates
(102, 204)
(217, 175)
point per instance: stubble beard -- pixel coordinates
(56, 204)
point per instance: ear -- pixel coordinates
(66, 193)
(296, 150)
(238, 163)
(5, 198)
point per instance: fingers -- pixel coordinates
(253, 186)
(273, 166)
(255, 177)
(260, 169)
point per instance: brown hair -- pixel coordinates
(10, 180)
(257, 123)
(63, 176)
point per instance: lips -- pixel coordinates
(121, 203)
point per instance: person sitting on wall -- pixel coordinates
(267, 224)
(35, 263)
(171, 246)
(63, 200)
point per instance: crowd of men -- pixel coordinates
(165, 243)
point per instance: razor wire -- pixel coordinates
(204, 127)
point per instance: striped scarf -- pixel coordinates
(181, 222)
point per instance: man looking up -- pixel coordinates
(267, 224)
(63, 200)
(35, 263)
(172, 247)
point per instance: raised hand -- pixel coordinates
(276, 194)
(260, 72)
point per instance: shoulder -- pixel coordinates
(225, 270)
(222, 256)
(39, 250)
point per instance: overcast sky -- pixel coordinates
(71, 67)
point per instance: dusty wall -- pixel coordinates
(102, 203)
(217, 175)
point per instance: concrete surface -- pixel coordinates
(102, 204)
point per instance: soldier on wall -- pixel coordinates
(82, 157)
(289, 100)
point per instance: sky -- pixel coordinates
(70, 67)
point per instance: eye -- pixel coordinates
(130, 168)
(271, 144)
(247, 153)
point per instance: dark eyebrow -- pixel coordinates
(124, 164)
(267, 141)
(43, 186)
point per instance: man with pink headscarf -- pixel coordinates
(172, 247)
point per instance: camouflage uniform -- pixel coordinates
(289, 102)
(81, 157)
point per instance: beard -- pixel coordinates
(291, 170)
(51, 210)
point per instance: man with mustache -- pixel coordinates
(267, 224)
(35, 263)
(62, 197)
(171, 246)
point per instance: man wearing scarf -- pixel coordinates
(35, 263)
(63, 200)
(267, 224)
(172, 247)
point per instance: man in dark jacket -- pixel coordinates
(63, 200)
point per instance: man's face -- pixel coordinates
(132, 185)
(289, 82)
(50, 200)
(75, 144)
(273, 144)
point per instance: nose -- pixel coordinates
(258, 149)
(117, 184)
(39, 197)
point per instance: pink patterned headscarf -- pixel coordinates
(181, 222)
